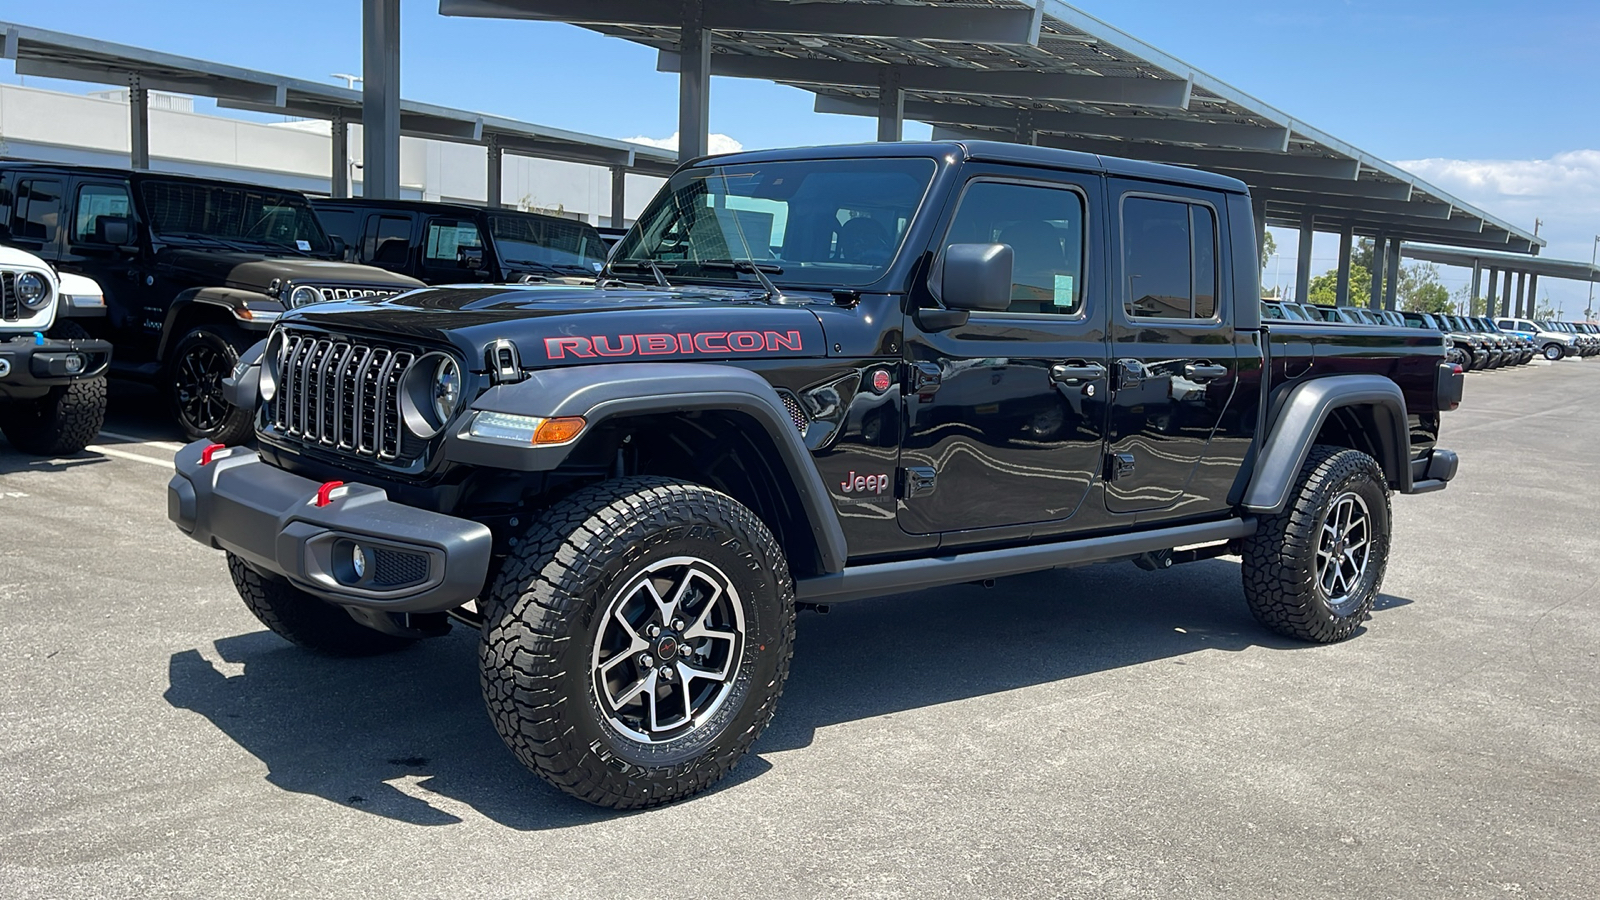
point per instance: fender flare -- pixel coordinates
(250, 310)
(602, 392)
(1301, 415)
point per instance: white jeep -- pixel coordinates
(52, 373)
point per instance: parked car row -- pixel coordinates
(1556, 339)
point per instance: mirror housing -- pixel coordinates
(977, 277)
(340, 249)
(115, 231)
(469, 257)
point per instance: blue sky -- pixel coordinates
(1499, 98)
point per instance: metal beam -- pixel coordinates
(1151, 93)
(1211, 159)
(577, 153)
(1505, 295)
(1533, 296)
(965, 24)
(138, 124)
(1222, 134)
(891, 105)
(1302, 272)
(339, 182)
(495, 165)
(1380, 259)
(694, 82)
(1410, 209)
(1391, 287)
(1342, 288)
(1374, 190)
(619, 196)
(380, 99)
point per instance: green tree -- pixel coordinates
(1420, 289)
(1269, 247)
(1325, 287)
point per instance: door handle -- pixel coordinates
(1204, 371)
(1076, 371)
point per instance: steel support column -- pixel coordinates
(891, 105)
(1302, 272)
(1026, 131)
(138, 124)
(380, 99)
(1347, 236)
(494, 164)
(1520, 296)
(339, 182)
(1532, 298)
(1391, 286)
(1489, 295)
(694, 82)
(619, 195)
(1477, 279)
(1380, 265)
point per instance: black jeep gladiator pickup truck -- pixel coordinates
(805, 377)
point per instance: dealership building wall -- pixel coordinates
(93, 130)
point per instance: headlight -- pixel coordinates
(303, 295)
(33, 290)
(267, 387)
(431, 394)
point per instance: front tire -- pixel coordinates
(1553, 352)
(1313, 571)
(637, 639)
(307, 621)
(202, 358)
(63, 421)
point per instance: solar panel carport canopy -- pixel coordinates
(1032, 71)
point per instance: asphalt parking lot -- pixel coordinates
(1102, 732)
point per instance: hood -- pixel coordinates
(256, 271)
(558, 325)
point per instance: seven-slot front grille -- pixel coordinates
(10, 305)
(350, 293)
(340, 394)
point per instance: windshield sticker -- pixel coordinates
(303, 245)
(713, 342)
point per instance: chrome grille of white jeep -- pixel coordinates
(342, 395)
(10, 305)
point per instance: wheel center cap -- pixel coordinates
(666, 647)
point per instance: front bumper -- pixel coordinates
(413, 561)
(30, 365)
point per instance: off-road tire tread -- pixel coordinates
(1278, 563)
(304, 620)
(63, 421)
(542, 581)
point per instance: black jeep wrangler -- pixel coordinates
(194, 270)
(806, 377)
(451, 243)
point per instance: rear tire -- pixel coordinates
(63, 421)
(1313, 571)
(637, 639)
(203, 357)
(302, 619)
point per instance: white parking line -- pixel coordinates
(123, 454)
(160, 445)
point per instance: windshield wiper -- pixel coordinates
(654, 268)
(759, 270)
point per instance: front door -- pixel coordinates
(95, 204)
(1005, 413)
(1174, 361)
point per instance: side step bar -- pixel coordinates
(879, 579)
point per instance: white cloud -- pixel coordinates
(718, 143)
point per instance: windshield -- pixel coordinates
(826, 222)
(547, 241)
(233, 216)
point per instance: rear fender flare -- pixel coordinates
(602, 392)
(1301, 416)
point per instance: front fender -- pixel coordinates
(250, 310)
(1300, 418)
(602, 392)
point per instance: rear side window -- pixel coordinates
(446, 236)
(387, 241)
(36, 211)
(1043, 226)
(1169, 258)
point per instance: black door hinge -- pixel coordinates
(1119, 465)
(917, 481)
(925, 378)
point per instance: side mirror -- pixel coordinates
(469, 257)
(116, 231)
(340, 249)
(977, 277)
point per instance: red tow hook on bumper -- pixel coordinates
(209, 452)
(325, 493)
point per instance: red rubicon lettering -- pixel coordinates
(702, 341)
(557, 348)
(602, 345)
(789, 340)
(652, 344)
(746, 341)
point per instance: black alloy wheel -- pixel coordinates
(202, 359)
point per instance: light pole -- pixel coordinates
(1588, 311)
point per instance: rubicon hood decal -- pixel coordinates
(715, 343)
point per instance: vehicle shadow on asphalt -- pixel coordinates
(15, 461)
(405, 736)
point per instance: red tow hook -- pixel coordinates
(325, 493)
(210, 451)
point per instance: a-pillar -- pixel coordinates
(891, 105)
(1532, 297)
(694, 82)
(494, 163)
(1347, 236)
(1488, 296)
(138, 124)
(339, 183)
(1380, 264)
(1391, 280)
(380, 99)
(1258, 209)
(619, 195)
(1302, 272)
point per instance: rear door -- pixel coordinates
(1174, 360)
(1005, 413)
(447, 243)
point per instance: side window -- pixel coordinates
(1169, 257)
(36, 212)
(387, 241)
(445, 237)
(343, 223)
(96, 204)
(1044, 228)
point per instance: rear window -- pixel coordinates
(1169, 250)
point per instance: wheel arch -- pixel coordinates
(718, 425)
(246, 310)
(1361, 412)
